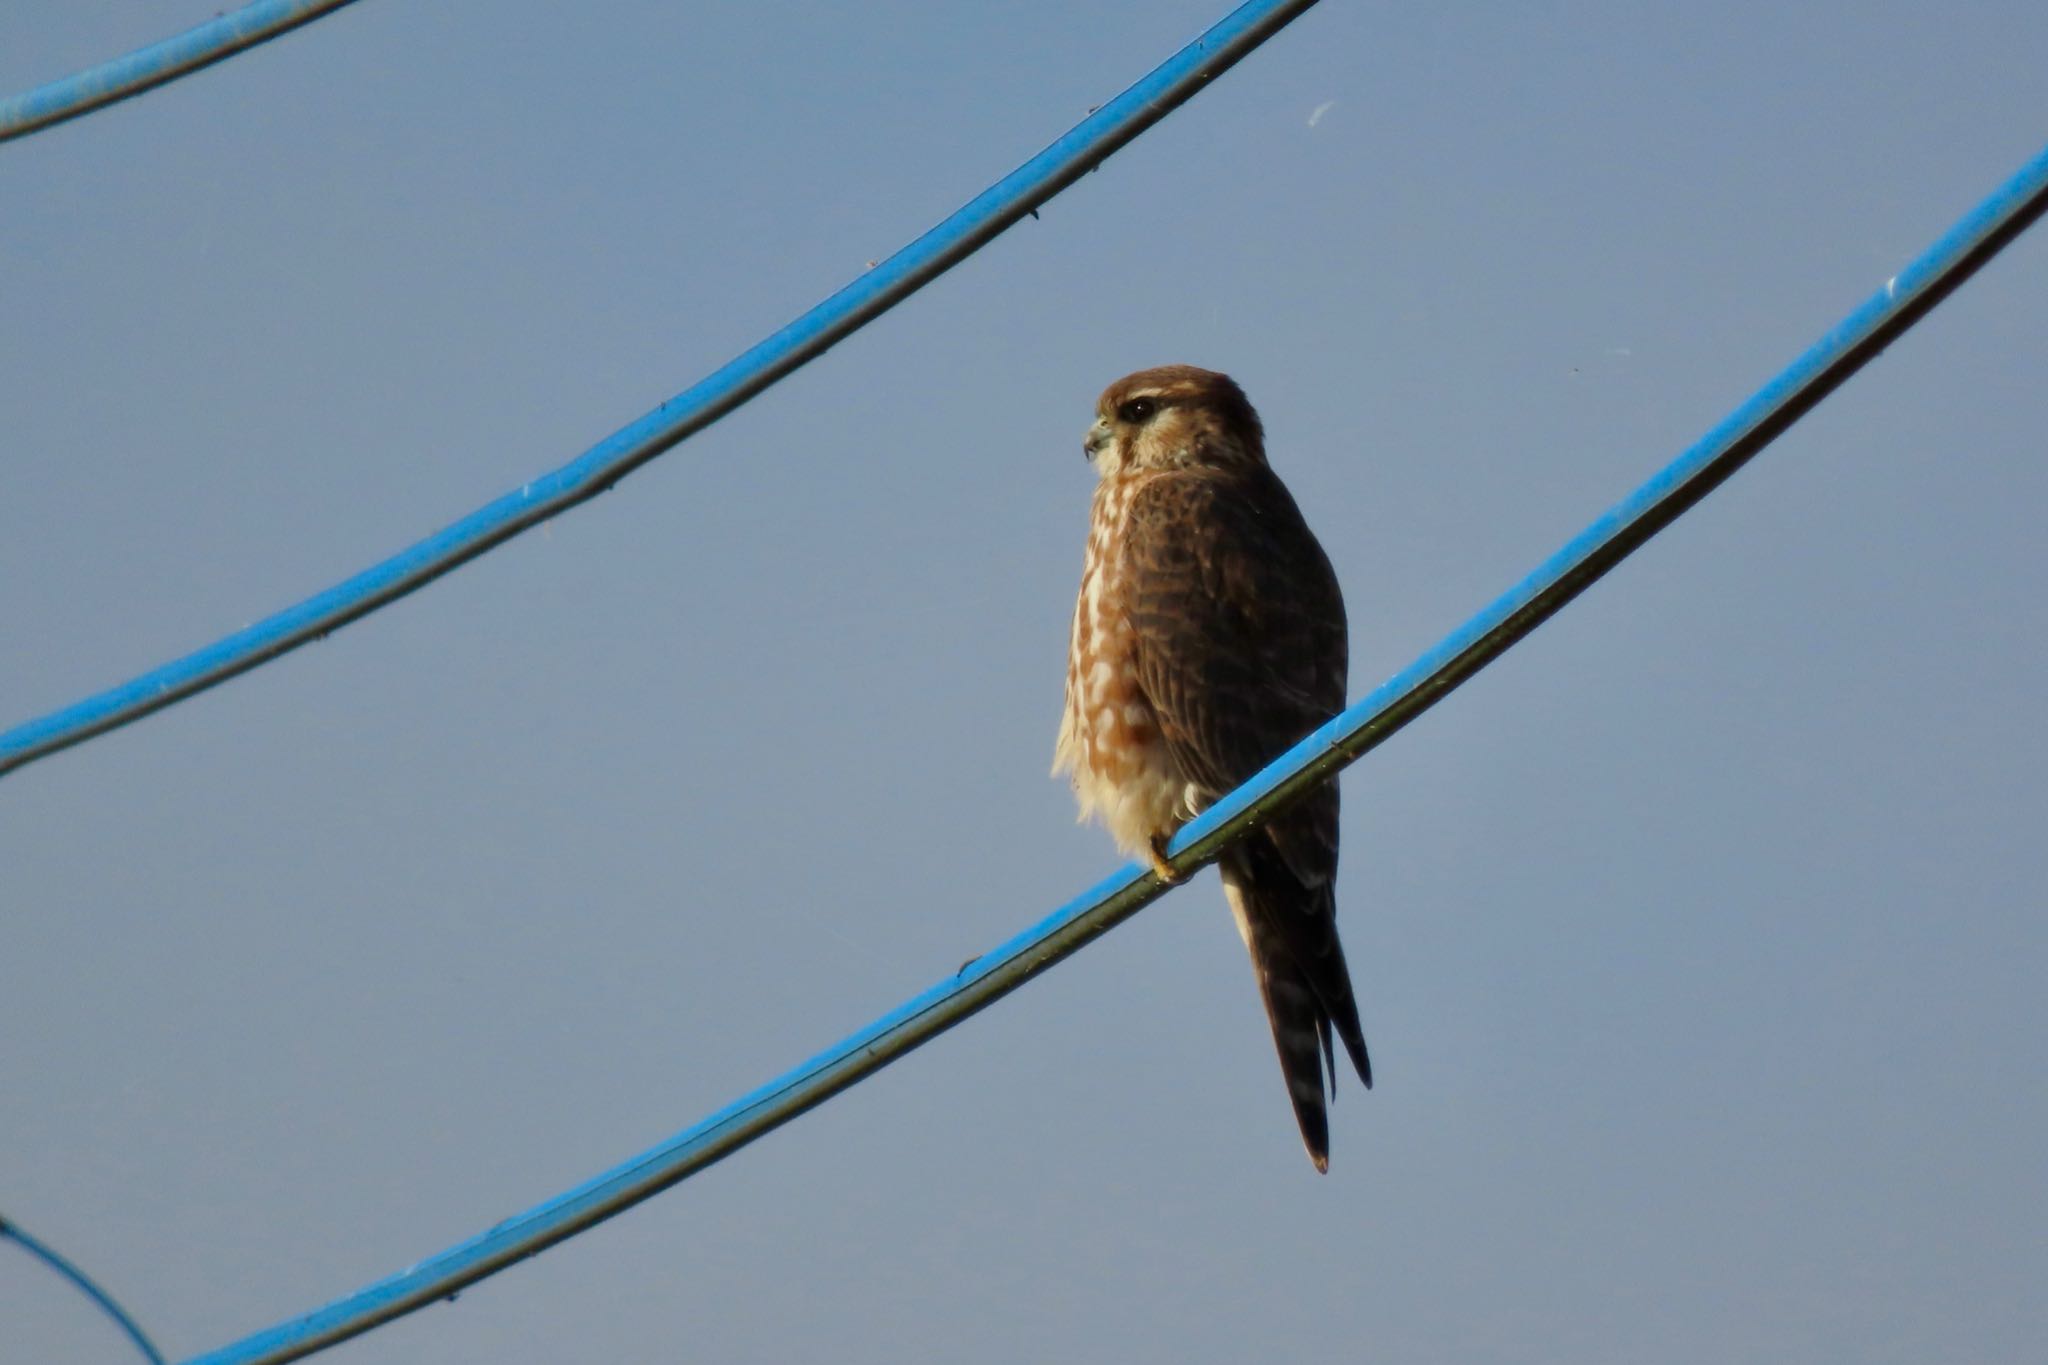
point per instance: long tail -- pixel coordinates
(1291, 932)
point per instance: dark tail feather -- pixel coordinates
(1333, 988)
(1297, 1037)
(1291, 933)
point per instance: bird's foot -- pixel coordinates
(1155, 858)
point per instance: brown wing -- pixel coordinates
(1241, 642)
(1241, 652)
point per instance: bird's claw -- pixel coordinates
(1155, 858)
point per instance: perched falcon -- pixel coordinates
(1208, 638)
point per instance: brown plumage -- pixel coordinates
(1208, 637)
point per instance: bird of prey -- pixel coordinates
(1208, 637)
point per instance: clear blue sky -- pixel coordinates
(1700, 941)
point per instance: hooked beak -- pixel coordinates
(1096, 439)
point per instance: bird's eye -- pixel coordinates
(1137, 410)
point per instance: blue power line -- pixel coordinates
(1902, 301)
(49, 1257)
(148, 67)
(969, 229)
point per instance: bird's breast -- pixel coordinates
(1110, 742)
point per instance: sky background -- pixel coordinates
(1700, 940)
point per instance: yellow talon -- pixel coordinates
(1155, 857)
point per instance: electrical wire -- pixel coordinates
(146, 68)
(49, 1257)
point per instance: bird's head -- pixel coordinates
(1174, 417)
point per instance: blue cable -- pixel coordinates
(1902, 301)
(1081, 150)
(49, 1257)
(146, 68)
